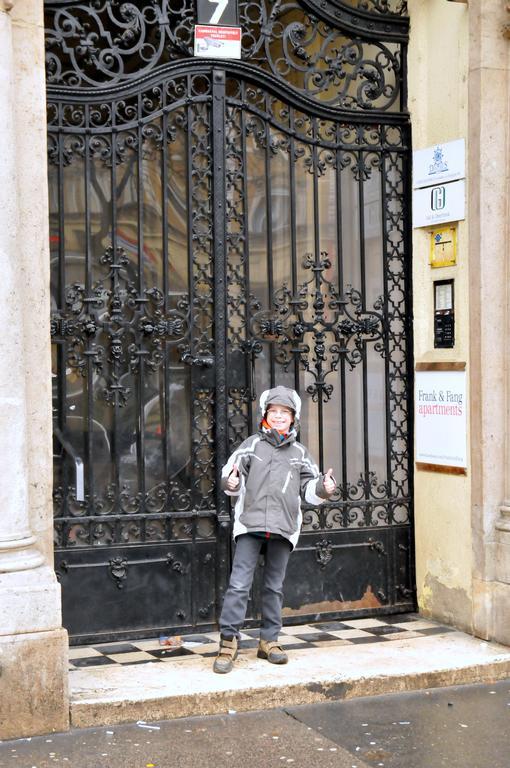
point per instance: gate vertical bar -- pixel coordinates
(140, 383)
(269, 240)
(89, 437)
(62, 348)
(386, 202)
(410, 588)
(293, 224)
(220, 329)
(317, 257)
(249, 357)
(341, 288)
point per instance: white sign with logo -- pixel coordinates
(439, 204)
(440, 163)
(440, 418)
(217, 42)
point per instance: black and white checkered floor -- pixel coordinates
(305, 636)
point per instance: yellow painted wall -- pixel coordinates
(437, 81)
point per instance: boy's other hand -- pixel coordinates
(233, 479)
(329, 482)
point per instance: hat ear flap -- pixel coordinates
(262, 401)
(297, 400)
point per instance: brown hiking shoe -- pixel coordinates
(270, 650)
(227, 654)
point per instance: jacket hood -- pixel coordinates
(281, 396)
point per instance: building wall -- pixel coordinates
(33, 645)
(458, 88)
(488, 166)
(438, 102)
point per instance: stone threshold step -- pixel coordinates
(152, 692)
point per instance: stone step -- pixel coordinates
(187, 686)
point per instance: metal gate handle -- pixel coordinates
(198, 360)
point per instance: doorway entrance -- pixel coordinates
(217, 228)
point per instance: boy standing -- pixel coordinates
(269, 473)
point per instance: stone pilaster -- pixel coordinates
(501, 613)
(501, 609)
(17, 544)
(33, 645)
(489, 159)
(503, 546)
(501, 603)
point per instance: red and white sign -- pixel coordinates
(217, 42)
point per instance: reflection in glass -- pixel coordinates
(305, 220)
(138, 268)
(256, 206)
(355, 426)
(373, 237)
(100, 213)
(178, 434)
(152, 213)
(309, 433)
(328, 216)
(126, 234)
(376, 412)
(280, 208)
(350, 229)
(177, 211)
(333, 448)
(122, 391)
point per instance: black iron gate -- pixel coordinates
(216, 228)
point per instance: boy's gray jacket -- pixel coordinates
(274, 476)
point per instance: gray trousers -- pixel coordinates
(236, 597)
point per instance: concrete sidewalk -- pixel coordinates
(345, 666)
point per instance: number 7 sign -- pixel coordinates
(222, 12)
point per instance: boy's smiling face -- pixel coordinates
(279, 417)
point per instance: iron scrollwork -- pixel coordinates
(118, 568)
(174, 565)
(338, 70)
(323, 552)
(121, 331)
(324, 328)
(318, 326)
(115, 327)
(377, 546)
(206, 611)
(124, 92)
(103, 44)
(62, 570)
(202, 361)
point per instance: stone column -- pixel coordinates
(489, 158)
(501, 612)
(17, 544)
(33, 645)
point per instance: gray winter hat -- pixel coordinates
(280, 396)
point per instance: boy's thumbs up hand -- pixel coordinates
(233, 478)
(329, 481)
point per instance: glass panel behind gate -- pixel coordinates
(133, 340)
(131, 178)
(316, 260)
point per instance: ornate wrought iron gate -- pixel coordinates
(216, 228)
